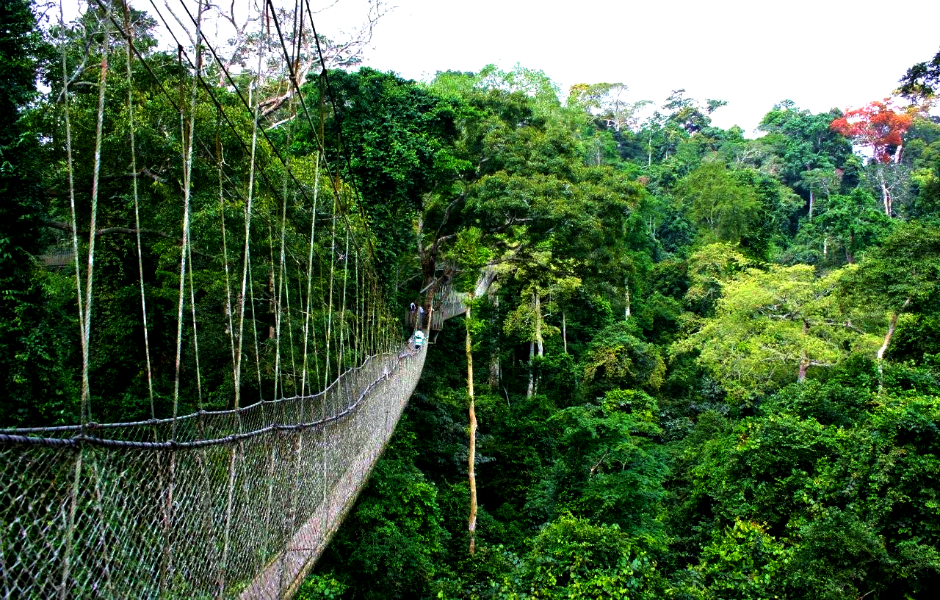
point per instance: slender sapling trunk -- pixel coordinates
(471, 472)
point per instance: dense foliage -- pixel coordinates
(710, 365)
(707, 366)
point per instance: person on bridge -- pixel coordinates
(419, 339)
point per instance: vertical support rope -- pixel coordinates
(329, 322)
(290, 337)
(68, 153)
(73, 490)
(89, 275)
(280, 293)
(313, 237)
(129, 33)
(188, 132)
(228, 287)
(254, 331)
(273, 309)
(192, 304)
(342, 318)
(251, 189)
(86, 328)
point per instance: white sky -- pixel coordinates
(752, 53)
(819, 53)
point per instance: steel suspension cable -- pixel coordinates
(339, 129)
(303, 104)
(247, 105)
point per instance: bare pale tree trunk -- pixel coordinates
(812, 199)
(538, 325)
(626, 299)
(538, 333)
(472, 454)
(892, 324)
(494, 373)
(886, 197)
(564, 332)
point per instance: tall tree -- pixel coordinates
(35, 389)
(903, 275)
(770, 327)
(880, 127)
(724, 207)
(922, 80)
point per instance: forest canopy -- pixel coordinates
(707, 365)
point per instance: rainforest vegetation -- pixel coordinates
(703, 365)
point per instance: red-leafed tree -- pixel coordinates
(881, 127)
(877, 125)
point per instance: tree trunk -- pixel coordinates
(494, 373)
(472, 455)
(804, 361)
(892, 324)
(538, 333)
(626, 300)
(811, 202)
(564, 332)
(886, 197)
(848, 249)
(538, 325)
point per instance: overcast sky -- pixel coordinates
(752, 53)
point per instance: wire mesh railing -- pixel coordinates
(239, 502)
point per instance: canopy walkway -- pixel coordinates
(262, 289)
(217, 503)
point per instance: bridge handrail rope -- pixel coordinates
(27, 435)
(24, 432)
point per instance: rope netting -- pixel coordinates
(242, 503)
(221, 433)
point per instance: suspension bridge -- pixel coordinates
(266, 372)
